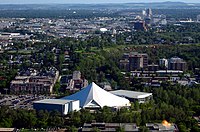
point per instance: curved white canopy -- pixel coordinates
(93, 96)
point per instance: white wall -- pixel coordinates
(66, 109)
(71, 106)
(75, 105)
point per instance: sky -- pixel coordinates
(87, 1)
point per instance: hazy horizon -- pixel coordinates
(87, 1)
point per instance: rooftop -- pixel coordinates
(161, 127)
(131, 94)
(110, 127)
(53, 101)
(7, 129)
(169, 71)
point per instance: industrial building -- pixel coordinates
(141, 97)
(63, 106)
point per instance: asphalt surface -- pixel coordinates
(21, 101)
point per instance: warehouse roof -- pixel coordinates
(131, 94)
(54, 101)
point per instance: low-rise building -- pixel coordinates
(170, 73)
(141, 97)
(76, 82)
(110, 127)
(60, 105)
(34, 84)
(162, 127)
(8, 130)
(153, 67)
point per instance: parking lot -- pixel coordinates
(21, 101)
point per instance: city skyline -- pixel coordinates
(87, 1)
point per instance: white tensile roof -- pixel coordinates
(93, 96)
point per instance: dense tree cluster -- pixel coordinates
(102, 64)
(97, 62)
(176, 104)
(29, 118)
(98, 58)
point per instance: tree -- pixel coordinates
(56, 87)
(144, 129)
(7, 122)
(42, 117)
(72, 129)
(104, 115)
(182, 128)
(136, 105)
(120, 129)
(55, 119)
(25, 119)
(95, 129)
(86, 116)
(75, 118)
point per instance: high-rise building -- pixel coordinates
(114, 32)
(163, 63)
(176, 63)
(140, 25)
(134, 61)
(145, 59)
(198, 18)
(149, 12)
(144, 13)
